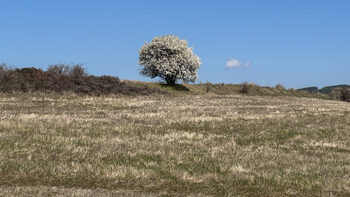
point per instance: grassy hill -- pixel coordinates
(325, 90)
(130, 138)
(74, 79)
(224, 89)
(312, 89)
(329, 89)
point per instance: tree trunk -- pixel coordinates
(170, 80)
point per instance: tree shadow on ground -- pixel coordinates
(175, 87)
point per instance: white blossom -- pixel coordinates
(169, 58)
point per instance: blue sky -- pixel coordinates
(296, 43)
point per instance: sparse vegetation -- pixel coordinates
(3, 68)
(208, 86)
(189, 143)
(245, 87)
(182, 145)
(280, 87)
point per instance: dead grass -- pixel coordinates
(173, 145)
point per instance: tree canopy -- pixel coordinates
(169, 58)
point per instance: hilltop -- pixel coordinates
(225, 89)
(74, 79)
(324, 90)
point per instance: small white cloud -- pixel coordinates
(235, 63)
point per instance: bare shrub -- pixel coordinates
(3, 67)
(4, 75)
(342, 94)
(63, 78)
(77, 71)
(245, 88)
(58, 69)
(3, 70)
(279, 87)
(208, 86)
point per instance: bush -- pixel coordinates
(208, 86)
(3, 67)
(63, 78)
(245, 88)
(3, 70)
(59, 69)
(4, 73)
(77, 71)
(342, 94)
(279, 87)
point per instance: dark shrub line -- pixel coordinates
(64, 78)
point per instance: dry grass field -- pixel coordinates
(182, 145)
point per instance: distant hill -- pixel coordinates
(328, 89)
(325, 90)
(310, 89)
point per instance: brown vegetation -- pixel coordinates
(279, 87)
(63, 78)
(342, 94)
(216, 145)
(245, 87)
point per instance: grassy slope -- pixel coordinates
(164, 145)
(226, 89)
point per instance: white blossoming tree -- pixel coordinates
(169, 58)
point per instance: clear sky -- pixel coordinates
(296, 43)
